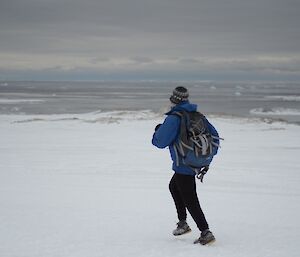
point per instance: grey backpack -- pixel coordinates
(198, 140)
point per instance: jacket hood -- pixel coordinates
(183, 106)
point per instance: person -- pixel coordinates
(183, 183)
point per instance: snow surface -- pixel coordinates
(93, 185)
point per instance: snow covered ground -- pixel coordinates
(93, 185)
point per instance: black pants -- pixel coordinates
(183, 191)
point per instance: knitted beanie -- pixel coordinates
(180, 94)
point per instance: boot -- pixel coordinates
(205, 238)
(182, 228)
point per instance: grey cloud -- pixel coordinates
(97, 60)
(142, 60)
(188, 61)
(193, 31)
(252, 20)
(268, 65)
(216, 71)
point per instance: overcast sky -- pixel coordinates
(150, 39)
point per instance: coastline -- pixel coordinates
(117, 116)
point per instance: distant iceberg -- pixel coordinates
(15, 101)
(275, 111)
(283, 97)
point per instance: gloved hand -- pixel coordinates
(157, 126)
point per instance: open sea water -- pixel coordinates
(269, 100)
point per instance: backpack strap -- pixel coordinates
(182, 144)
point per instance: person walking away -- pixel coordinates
(182, 185)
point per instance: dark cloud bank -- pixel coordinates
(157, 39)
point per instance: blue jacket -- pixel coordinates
(168, 133)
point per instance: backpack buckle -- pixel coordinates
(201, 172)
